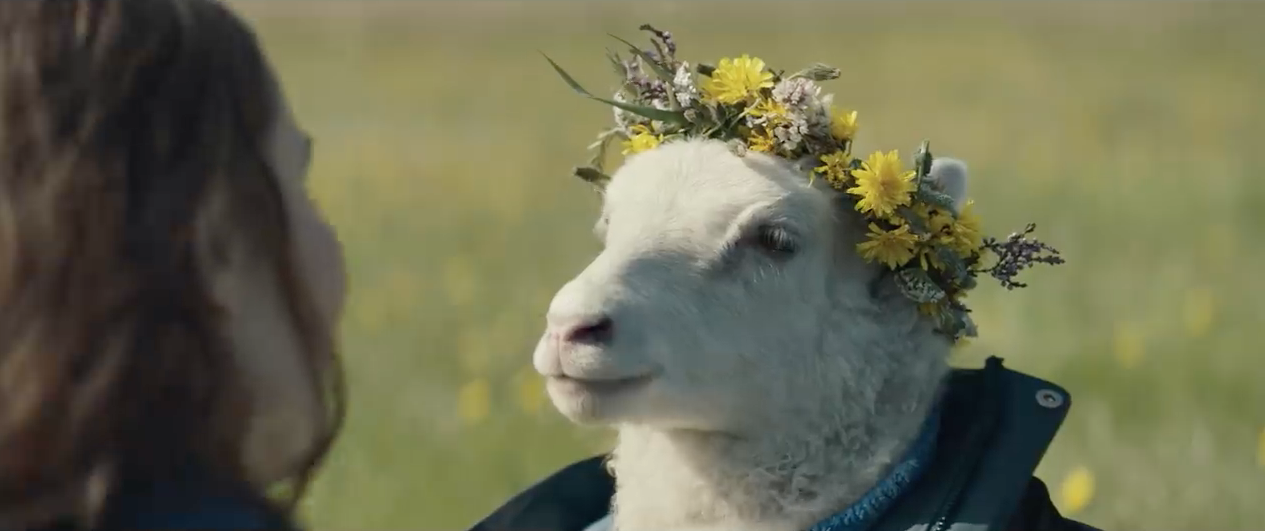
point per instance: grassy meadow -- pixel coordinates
(1133, 134)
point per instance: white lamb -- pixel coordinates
(759, 373)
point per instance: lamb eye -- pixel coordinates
(775, 240)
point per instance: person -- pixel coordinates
(168, 291)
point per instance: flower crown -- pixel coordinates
(935, 250)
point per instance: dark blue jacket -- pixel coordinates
(996, 426)
(188, 504)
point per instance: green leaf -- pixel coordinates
(922, 160)
(935, 198)
(672, 117)
(950, 322)
(592, 176)
(919, 287)
(968, 326)
(912, 219)
(676, 117)
(575, 85)
(818, 72)
(705, 69)
(618, 63)
(957, 323)
(953, 265)
(922, 165)
(697, 118)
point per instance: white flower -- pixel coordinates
(817, 112)
(791, 132)
(624, 118)
(683, 85)
(798, 93)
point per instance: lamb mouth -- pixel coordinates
(601, 386)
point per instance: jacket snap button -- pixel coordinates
(1049, 398)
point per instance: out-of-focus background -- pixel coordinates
(1133, 134)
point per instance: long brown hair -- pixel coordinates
(131, 158)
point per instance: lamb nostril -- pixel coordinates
(595, 332)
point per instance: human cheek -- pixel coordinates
(320, 257)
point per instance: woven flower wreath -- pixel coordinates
(935, 251)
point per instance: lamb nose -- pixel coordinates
(594, 331)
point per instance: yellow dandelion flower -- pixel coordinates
(768, 109)
(939, 223)
(643, 139)
(1077, 490)
(474, 401)
(834, 168)
(882, 184)
(761, 140)
(929, 259)
(843, 124)
(736, 80)
(968, 235)
(921, 213)
(891, 247)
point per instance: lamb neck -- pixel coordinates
(785, 480)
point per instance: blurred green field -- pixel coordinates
(1132, 133)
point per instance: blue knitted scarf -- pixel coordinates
(862, 514)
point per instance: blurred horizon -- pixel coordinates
(1128, 131)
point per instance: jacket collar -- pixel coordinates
(995, 426)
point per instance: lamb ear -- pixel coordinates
(949, 176)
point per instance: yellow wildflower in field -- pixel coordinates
(1077, 490)
(834, 169)
(643, 139)
(1128, 345)
(891, 247)
(736, 80)
(531, 391)
(882, 184)
(474, 401)
(843, 124)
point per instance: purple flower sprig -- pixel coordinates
(1016, 253)
(665, 44)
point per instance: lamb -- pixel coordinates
(769, 324)
(759, 374)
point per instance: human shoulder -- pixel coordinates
(192, 506)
